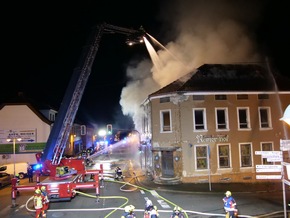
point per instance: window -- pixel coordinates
(246, 155)
(220, 97)
(244, 118)
(199, 119)
(201, 157)
(221, 118)
(163, 100)
(242, 97)
(264, 117)
(165, 121)
(52, 116)
(266, 146)
(83, 130)
(263, 96)
(224, 156)
(198, 97)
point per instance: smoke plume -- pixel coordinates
(216, 32)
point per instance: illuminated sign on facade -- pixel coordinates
(212, 138)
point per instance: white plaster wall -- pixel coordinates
(29, 158)
(22, 117)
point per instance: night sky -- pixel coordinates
(43, 41)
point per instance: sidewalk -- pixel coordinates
(148, 182)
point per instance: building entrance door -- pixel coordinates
(167, 164)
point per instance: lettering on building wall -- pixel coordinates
(212, 138)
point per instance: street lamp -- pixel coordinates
(13, 137)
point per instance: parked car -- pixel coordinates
(20, 169)
(5, 179)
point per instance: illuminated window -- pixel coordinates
(201, 157)
(224, 156)
(246, 155)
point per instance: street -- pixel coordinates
(135, 190)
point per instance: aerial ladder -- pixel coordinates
(59, 135)
(59, 185)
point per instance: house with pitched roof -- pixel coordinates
(33, 123)
(219, 123)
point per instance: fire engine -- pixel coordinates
(69, 174)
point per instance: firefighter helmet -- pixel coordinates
(127, 209)
(43, 188)
(228, 193)
(148, 203)
(177, 209)
(37, 191)
(132, 207)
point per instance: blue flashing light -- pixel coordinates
(37, 166)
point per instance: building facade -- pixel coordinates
(214, 124)
(34, 126)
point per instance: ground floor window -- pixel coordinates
(224, 156)
(246, 155)
(201, 157)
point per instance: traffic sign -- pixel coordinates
(268, 176)
(26, 135)
(266, 154)
(284, 145)
(268, 170)
(275, 159)
(265, 166)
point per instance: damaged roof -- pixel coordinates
(228, 78)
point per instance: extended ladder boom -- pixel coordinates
(62, 126)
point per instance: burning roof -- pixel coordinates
(228, 78)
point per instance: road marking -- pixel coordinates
(154, 193)
(162, 203)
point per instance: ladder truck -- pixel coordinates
(68, 174)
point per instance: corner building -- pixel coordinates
(212, 124)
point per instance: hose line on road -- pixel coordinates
(90, 196)
(107, 197)
(121, 207)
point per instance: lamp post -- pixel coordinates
(13, 137)
(286, 119)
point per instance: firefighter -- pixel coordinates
(177, 213)
(45, 200)
(38, 203)
(230, 205)
(118, 173)
(150, 210)
(129, 212)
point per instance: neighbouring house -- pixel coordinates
(34, 125)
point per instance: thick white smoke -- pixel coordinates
(206, 32)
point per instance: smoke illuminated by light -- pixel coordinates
(204, 34)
